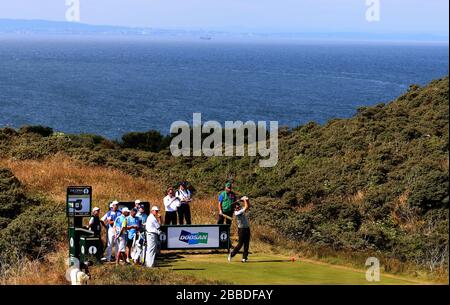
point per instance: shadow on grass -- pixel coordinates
(188, 269)
(168, 259)
(270, 261)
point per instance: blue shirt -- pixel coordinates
(132, 221)
(226, 201)
(142, 218)
(113, 216)
(120, 222)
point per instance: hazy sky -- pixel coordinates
(396, 16)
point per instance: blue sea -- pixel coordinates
(113, 86)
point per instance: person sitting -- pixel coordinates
(80, 276)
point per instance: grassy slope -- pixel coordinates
(273, 269)
(373, 184)
(268, 265)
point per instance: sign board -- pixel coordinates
(195, 237)
(79, 200)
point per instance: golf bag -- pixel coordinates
(140, 247)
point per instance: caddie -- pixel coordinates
(108, 219)
(227, 198)
(120, 230)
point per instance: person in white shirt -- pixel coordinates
(184, 210)
(152, 229)
(171, 204)
(79, 276)
(108, 219)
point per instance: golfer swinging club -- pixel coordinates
(243, 230)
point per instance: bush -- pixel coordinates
(33, 233)
(7, 133)
(149, 141)
(40, 130)
(368, 183)
(28, 228)
(13, 200)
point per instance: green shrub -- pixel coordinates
(375, 182)
(149, 141)
(28, 228)
(40, 130)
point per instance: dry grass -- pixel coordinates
(357, 198)
(306, 208)
(27, 272)
(444, 164)
(50, 177)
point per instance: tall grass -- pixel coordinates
(51, 271)
(50, 177)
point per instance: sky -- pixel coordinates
(306, 16)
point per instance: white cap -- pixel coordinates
(125, 209)
(95, 209)
(155, 208)
(115, 202)
(137, 201)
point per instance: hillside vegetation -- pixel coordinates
(376, 183)
(34, 244)
(30, 227)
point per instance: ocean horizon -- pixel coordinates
(111, 87)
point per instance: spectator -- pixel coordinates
(95, 224)
(184, 210)
(142, 216)
(80, 276)
(152, 228)
(171, 204)
(137, 203)
(132, 232)
(140, 244)
(120, 230)
(108, 219)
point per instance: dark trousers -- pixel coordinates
(184, 213)
(244, 240)
(222, 219)
(170, 218)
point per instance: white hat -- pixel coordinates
(95, 209)
(115, 202)
(125, 209)
(155, 208)
(137, 201)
